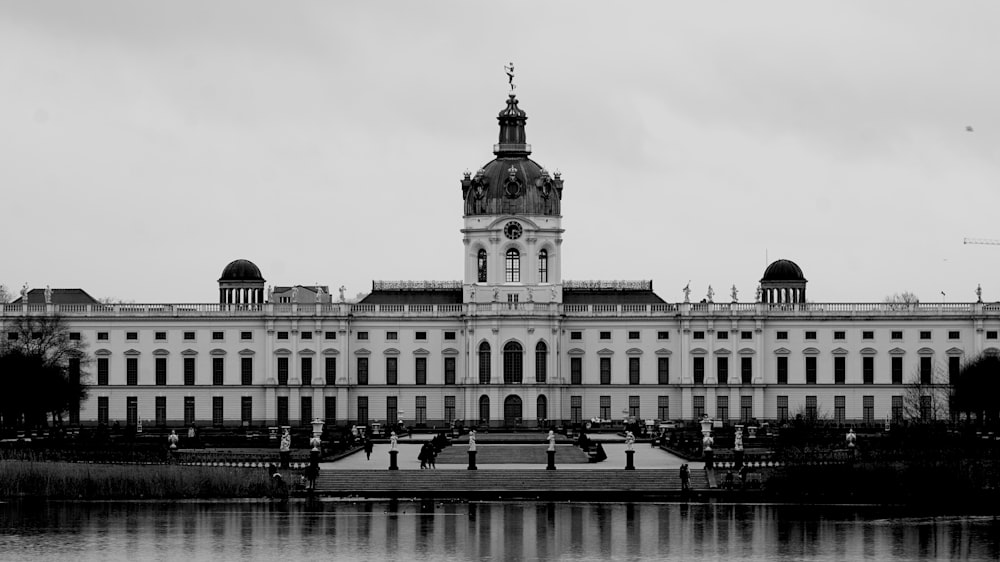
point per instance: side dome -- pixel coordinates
(241, 270)
(783, 270)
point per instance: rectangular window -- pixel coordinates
(868, 409)
(282, 335)
(420, 336)
(217, 411)
(131, 336)
(722, 408)
(698, 335)
(362, 370)
(541, 363)
(839, 409)
(897, 335)
(868, 370)
(420, 370)
(362, 410)
(840, 335)
(188, 410)
(161, 411)
(330, 370)
(810, 370)
(897, 408)
(605, 335)
(812, 410)
(306, 335)
(283, 371)
(954, 368)
(188, 336)
(305, 410)
(954, 335)
(218, 371)
(12, 336)
(160, 336)
(392, 336)
(840, 370)
(131, 411)
(218, 336)
(746, 369)
(868, 335)
(362, 336)
(925, 334)
(698, 406)
(782, 408)
(575, 409)
(102, 371)
(781, 335)
(746, 408)
(663, 335)
(576, 335)
(925, 370)
(421, 411)
(633, 407)
(306, 370)
(246, 370)
(699, 370)
(990, 334)
(246, 336)
(391, 370)
(897, 370)
(391, 409)
(330, 411)
(633, 335)
(633, 370)
(926, 413)
(329, 335)
(782, 369)
(663, 370)
(246, 411)
(189, 371)
(810, 335)
(449, 336)
(102, 410)
(605, 370)
(605, 408)
(101, 336)
(663, 408)
(161, 371)
(746, 335)
(132, 371)
(449, 370)
(576, 370)
(722, 369)
(449, 409)
(282, 410)
(722, 335)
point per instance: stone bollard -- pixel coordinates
(472, 460)
(392, 460)
(552, 460)
(629, 460)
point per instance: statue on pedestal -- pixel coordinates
(687, 292)
(472, 440)
(629, 440)
(319, 294)
(552, 440)
(172, 439)
(735, 294)
(711, 294)
(48, 295)
(393, 441)
(341, 290)
(24, 294)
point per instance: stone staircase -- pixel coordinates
(512, 454)
(578, 485)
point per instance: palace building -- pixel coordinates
(512, 344)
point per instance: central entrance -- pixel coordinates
(513, 411)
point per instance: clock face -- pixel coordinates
(512, 230)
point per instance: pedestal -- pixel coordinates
(552, 460)
(629, 460)
(392, 460)
(472, 460)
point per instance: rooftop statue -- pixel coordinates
(510, 75)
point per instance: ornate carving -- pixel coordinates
(415, 285)
(512, 185)
(610, 285)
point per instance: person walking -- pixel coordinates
(685, 478)
(369, 447)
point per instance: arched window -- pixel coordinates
(513, 266)
(542, 410)
(543, 266)
(481, 264)
(541, 358)
(484, 363)
(484, 409)
(513, 372)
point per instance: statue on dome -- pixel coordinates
(341, 290)
(687, 292)
(711, 293)
(510, 75)
(735, 294)
(979, 293)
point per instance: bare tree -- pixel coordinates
(905, 297)
(976, 388)
(927, 397)
(5, 295)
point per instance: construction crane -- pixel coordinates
(981, 241)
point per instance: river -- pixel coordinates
(429, 531)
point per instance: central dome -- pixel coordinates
(512, 183)
(783, 270)
(241, 270)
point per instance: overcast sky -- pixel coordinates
(145, 145)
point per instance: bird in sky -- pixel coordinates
(968, 129)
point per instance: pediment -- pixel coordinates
(747, 351)
(897, 351)
(699, 351)
(282, 351)
(576, 351)
(362, 351)
(217, 351)
(306, 352)
(810, 351)
(663, 351)
(421, 351)
(449, 351)
(869, 351)
(102, 352)
(247, 351)
(391, 351)
(782, 351)
(132, 352)
(330, 351)
(925, 351)
(189, 352)
(634, 351)
(160, 352)
(955, 351)
(839, 351)
(605, 352)
(723, 351)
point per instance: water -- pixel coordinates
(428, 531)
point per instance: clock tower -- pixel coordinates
(513, 229)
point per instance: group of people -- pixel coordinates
(428, 452)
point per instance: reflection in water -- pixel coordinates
(499, 531)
